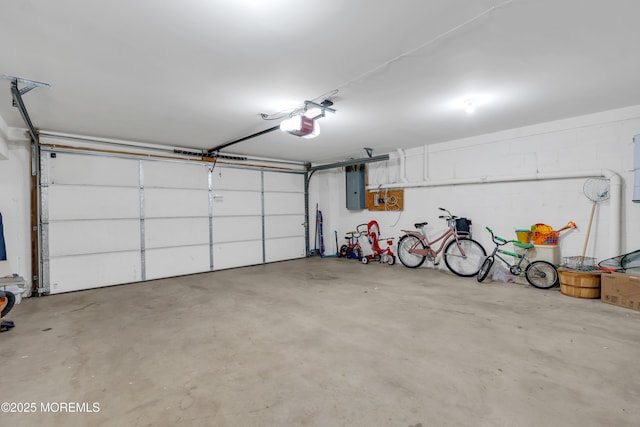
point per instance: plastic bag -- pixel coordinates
(500, 274)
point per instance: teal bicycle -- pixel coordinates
(539, 274)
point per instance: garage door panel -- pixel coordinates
(285, 248)
(236, 254)
(162, 203)
(287, 182)
(80, 202)
(169, 232)
(90, 237)
(237, 203)
(175, 175)
(94, 271)
(283, 226)
(283, 203)
(177, 261)
(229, 229)
(68, 168)
(236, 179)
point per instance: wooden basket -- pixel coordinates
(579, 284)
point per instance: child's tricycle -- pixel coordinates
(379, 254)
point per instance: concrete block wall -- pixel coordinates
(586, 143)
(603, 140)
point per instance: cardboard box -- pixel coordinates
(621, 289)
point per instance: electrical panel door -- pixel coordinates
(355, 180)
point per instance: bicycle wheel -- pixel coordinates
(486, 267)
(541, 274)
(466, 265)
(391, 260)
(7, 303)
(408, 258)
(344, 251)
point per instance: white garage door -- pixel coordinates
(113, 220)
(283, 216)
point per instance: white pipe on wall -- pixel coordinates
(403, 166)
(615, 192)
(615, 225)
(425, 170)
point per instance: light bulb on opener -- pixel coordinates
(470, 105)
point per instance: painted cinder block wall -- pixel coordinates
(586, 143)
(603, 140)
(15, 206)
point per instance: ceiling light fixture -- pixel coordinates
(303, 126)
(470, 105)
(304, 123)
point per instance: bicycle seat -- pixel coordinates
(420, 224)
(522, 245)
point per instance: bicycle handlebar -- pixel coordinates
(357, 232)
(361, 225)
(447, 217)
(497, 239)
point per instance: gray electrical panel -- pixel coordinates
(355, 180)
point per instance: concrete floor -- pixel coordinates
(322, 342)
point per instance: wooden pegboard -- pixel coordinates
(388, 200)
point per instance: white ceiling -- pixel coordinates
(198, 73)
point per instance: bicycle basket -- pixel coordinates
(545, 238)
(463, 226)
